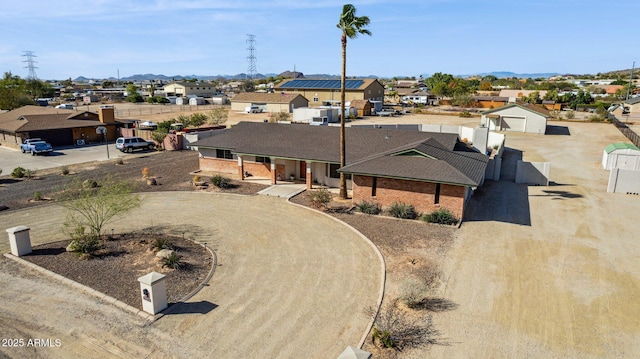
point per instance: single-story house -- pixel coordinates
(514, 95)
(621, 155)
(269, 102)
(363, 107)
(59, 127)
(490, 101)
(327, 92)
(428, 170)
(183, 89)
(517, 117)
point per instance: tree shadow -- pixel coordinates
(557, 130)
(436, 305)
(47, 251)
(558, 194)
(201, 307)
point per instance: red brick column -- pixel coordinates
(308, 175)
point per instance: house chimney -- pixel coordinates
(107, 114)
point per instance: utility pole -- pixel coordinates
(630, 80)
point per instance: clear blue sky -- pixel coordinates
(95, 38)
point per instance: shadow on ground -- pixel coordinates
(201, 307)
(557, 130)
(436, 305)
(501, 201)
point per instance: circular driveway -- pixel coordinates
(289, 282)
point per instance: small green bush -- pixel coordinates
(465, 114)
(18, 172)
(441, 216)
(162, 243)
(174, 261)
(37, 195)
(369, 207)
(221, 181)
(320, 198)
(403, 210)
(83, 243)
(29, 174)
(570, 115)
(412, 291)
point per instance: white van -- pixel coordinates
(66, 106)
(252, 109)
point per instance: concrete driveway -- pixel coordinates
(547, 272)
(290, 282)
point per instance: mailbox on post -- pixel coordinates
(153, 290)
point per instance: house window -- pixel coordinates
(226, 154)
(333, 171)
(374, 186)
(260, 159)
(315, 99)
(437, 195)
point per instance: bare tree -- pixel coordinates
(218, 116)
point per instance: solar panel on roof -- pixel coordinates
(322, 84)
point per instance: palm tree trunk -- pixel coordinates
(343, 179)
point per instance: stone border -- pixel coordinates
(382, 267)
(82, 287)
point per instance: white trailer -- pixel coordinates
(306, 114)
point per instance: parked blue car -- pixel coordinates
(36, 147)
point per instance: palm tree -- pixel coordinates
(350, 25)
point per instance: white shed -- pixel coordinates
(518, 117)
(621, 155)
(194, 101)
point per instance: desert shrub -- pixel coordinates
(412, 291)
(64, 170)
(596, 118)
(369, 207)
(403, 210)
(197, 178)
(29, 174)
(83, 243)
(119, 161)
(441, 216)
(570, 115)
(146, 172)
(320, 198)
(398, 329)
(465, 114)
(88, 184)
(173, 261)
(221, 181)
(37, 195)
(18, 172)
(162, 243)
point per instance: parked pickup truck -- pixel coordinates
(36, 147)
(386, 112)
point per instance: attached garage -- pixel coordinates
(517, 117)
(621, 155)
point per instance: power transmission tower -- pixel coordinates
(251, 59)
(31, 65)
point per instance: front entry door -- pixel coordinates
(303, 169)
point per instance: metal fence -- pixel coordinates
(159, 109)
(632, 136)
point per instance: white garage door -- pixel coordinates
(513, 124)
(626, 162)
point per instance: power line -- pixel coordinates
(251, 59)
(30, 64)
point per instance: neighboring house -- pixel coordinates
(362, 106)
(517, 117)
(327, 92)
(421, 98)
(428, 170)
(57, 126)
(184, 89)
(269, 102)
(633, 105)
(621, 155)
(514, 95)
(551, 105)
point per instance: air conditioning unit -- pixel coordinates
(79, 142)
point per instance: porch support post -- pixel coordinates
(241, 167)
(273, 170)
(308, 175)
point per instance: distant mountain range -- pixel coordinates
(243, 76)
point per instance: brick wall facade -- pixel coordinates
(419, 194)
(259, 170)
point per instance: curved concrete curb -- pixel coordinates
(82, 287)
(382, 267)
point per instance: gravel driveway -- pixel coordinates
(289, 281)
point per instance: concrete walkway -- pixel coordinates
(289, 281)
(284, 190)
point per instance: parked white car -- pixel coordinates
(252, 109)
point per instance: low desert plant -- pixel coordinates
(64, 170)
(570, 115)
(18, 172)
(119, 161)
(320, 198)
(369, 207)
(162, 243)
(398, 329)
(412, 291)
(441, 216)
(221, 181)
(81, 242)
(29, 174)
(146, 172)
(37, 195)
(173, 261)
(88, 184)
(465, 114)
(197, 178)
(403, 210)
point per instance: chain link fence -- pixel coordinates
(632, 136)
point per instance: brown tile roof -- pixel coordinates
(369, 150)
(266, 97)
(359, 104)
(33, 118)
(527, 106)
